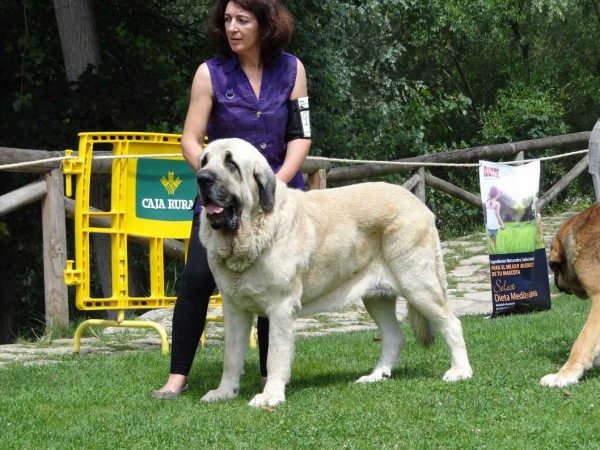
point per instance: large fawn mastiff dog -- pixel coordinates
(575, 261)
(283, 253)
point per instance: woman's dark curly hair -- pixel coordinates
(275, 25)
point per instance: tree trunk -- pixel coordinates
(10, 275)
(9, 294)
(78, 35)
(81, 47)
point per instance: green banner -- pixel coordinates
(165, 190)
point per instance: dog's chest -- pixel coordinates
(244, 291)
(242, 301)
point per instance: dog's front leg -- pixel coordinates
(237, 326)
(282, 332)
(584, 351)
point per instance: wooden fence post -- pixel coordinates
(519, 157)
(55, 251)
(420, 187)
(594, 152)
(317, 180)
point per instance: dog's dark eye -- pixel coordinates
(231, 164)
(204, 161)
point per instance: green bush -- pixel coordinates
(523, 112)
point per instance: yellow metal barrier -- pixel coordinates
(151, 197)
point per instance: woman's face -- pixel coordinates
(242, 29)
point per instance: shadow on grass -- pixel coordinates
(339, 377)
(325, 373)
(556, 349)
(332, 380)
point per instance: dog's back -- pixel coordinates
(372, 240)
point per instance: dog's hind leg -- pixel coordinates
(421, 280)
(426, 294)
(237, 327)
(383, 312)
(451, 329)
(439, 314)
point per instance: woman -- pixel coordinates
(493, 219)
(255, 92)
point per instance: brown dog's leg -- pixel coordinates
(584, 351)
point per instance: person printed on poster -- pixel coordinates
(492, 213)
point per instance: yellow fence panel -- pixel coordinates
(152, 194)
(150, 197)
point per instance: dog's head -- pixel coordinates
(561, 262)
(233, 177)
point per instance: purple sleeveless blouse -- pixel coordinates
(238, 113)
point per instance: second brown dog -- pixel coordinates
(575, 261)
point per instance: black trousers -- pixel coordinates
(196, 286)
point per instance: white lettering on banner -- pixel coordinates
(180, 204)
(158, 203)
(153, 203)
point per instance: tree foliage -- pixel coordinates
(388, 78)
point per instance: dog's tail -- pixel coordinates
(422, 327)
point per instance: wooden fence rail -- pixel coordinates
(55, 206)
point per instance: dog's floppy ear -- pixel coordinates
(266, 182)
(557, 254)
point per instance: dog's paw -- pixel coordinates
(457, 374)
(267, 399)
(558, 380)
(217, 395)
(374, 377)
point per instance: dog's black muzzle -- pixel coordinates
(555, 267)
(205, 180)
(213, 191)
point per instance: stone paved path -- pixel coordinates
(469, 293)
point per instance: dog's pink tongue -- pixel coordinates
(211, 208)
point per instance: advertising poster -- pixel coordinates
(518, 267)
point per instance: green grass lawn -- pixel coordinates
(103, 401)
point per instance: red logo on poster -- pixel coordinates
(491, 172)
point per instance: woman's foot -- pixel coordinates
(175, 386)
